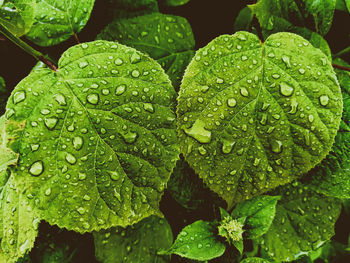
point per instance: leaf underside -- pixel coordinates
(99, 142)
(304, 221)
(58, 20)
(166, 38)
(138, 243)
(253, 116)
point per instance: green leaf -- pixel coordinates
(198, 241)
(304, 221)
(58, 20)
(136, 243)
(280, 15)
(18, 15)
(166, 38)
(259, 211)
(99, 142)
(343, 5)
(253, 116)
(132, 8)
(254, 260)
(18, 221)
(243, 20)
(174, 2)
(331, 177)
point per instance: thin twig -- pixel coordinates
(28, 49)
(342, 52)
(341, 67)
(76, 38)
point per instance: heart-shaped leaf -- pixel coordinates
(99, 142)
(252, 115)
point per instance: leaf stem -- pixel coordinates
(76, 38)
(31, 51)
(341, 67)
(342, 52)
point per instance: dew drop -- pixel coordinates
(276, 146)
(51, 123)
(36, 168)
(302, 71)
(324, 100)
(34, 147)
(285, 89)
(18, 97)
(148, 107)
(78, 142)
(227, 146)
(120, 90)
(118, 61)
(114, 175)
(198, 132)
(244, 92)
(48, 191)
(286, 60)
(93, 98)
(82, 176)
(135, 58)
(231, 102)
(135, 73)
(61, 100)
(202, 150)
(70, 158)
(83, 64)
(129, 137)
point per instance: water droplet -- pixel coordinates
(231, 102)
(276, 146)
(129, 137)
(199, 245)
(83, 64)
(48, 191)
(87, 198)
(311, 118)
(135, 73)
(307, 138)
(82, 176)
(78, 142)
(114, 175)
(70, 158)
(36, 168)
(148, 107)
(93, 98)
(285, 89)
(34, 147)
(118, 61)
(60, 99)
(135, 58)
(276, 76)
(244, 92)
(19, 96)
(301, 71)
(244, 58)
(45, 111)
(286, 60)
(81, 210)
(219, 81)
(198, 132)
(202, 150)
(324, 100)
(84, 46)
(227, 146)
(120, 90)
(50, 123)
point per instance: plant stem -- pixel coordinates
(76, 38)
(342, 52)
(31, 51)
(341, 67)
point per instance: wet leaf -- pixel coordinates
(18, 15)
(166, 38)
(304, 221)
(259, 212)
(99, 142)
(174, 2)
(254, 260)
(198, 241)
(253, 116)
(136, 243)
(58, 20)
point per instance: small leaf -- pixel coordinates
(174, 2)
(343, 5)
(252, 115)
(243, 20)
(322, 11)
(18, 221)
(254, 260)
(18, 15)
(100, 140)
(259, 211)
(166, 38)
(304, 221)
(136, 243)
(58, 20)
(198, 241)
